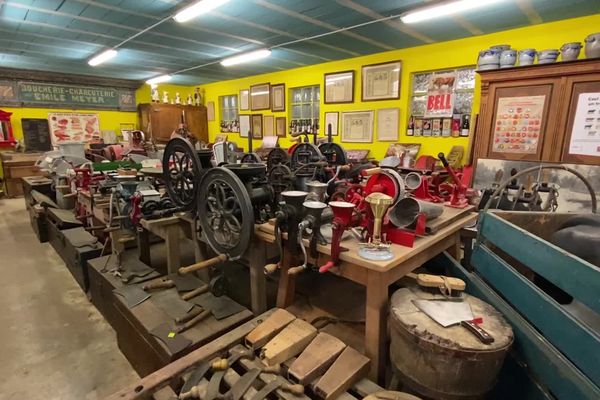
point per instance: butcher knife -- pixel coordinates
(448, 313)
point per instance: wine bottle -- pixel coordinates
(410, 131)
(465, 126)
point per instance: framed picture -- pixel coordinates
(210, 111)
(357, 126)
(339, 87)
(245, 126)
(280, 126)
(381, 81)
(331, 118)
(269, 125)
(278, 97)
(260, 97)
(387, 124)
(244, 100)
(257, 126)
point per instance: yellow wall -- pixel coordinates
(451, 54)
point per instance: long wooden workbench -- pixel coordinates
(376, 276)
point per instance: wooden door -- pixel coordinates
(582, 121)
(524, 117)
(164, 118)
(197, 122)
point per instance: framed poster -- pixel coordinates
(357, 126)
(278, 97)
(268, 125)
(260, 97)
(387, 124)
(244, 99)
(245, 126)
(518, 125)
(440, 97)
(331, 118)
(339, 87)
(584, 141)
(73, 127)
(280, 126)
(210, 111)
(381, 81)
(257, 126)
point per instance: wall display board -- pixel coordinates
(36, 132)
(73, 127)
(585, 135)
(49, 95)
(518, 125)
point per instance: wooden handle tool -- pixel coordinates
(203, 264)
(196, 292)
(195, 312)
(296, 270)
(370, 171)
(166, 284)
(181, 328)
(271, 268)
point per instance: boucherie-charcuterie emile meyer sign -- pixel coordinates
(37, 94)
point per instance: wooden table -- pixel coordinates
(168, 229)
(376, 276)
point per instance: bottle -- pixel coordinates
(465, 127)
(410, 131)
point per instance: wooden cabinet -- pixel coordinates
(159, 120)
(528, 113)
(15, 167)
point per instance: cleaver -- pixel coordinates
(448, 313)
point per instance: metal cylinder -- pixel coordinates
(412, 180)
(405, 212)
(317, 191)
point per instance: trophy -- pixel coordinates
(166, 97)
(155, 94)
(177, 98)
(376, 249)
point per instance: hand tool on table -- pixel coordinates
(278, 384)
(176, 343)
(449, 313)
(197, 375)
(219, 307)
(217, 286)
(131, 295)
(446, 285)
(170, 302)
(182, 283)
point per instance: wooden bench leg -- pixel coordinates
(258, 282)
(376, 324)
(144, 246)
(287, 282)
(173, 253)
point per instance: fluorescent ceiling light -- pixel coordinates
(198, 8)
(159, 79)
(246, 57)
(102, 57)
(443, 9)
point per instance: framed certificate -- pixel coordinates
(387, 124)
(381, 81)
(257, 126)
(357, 126)
(278, 97)
(280, 126)
(244, 100)
(269, 125)
(245, 126)
(339, 87)
(260, 97)
(331, 118)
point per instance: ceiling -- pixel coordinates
(61, 35)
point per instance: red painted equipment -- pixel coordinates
(457, 190)
(342, 216)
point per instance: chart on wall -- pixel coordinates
(73, 127)
(585, 136)
(518, 126)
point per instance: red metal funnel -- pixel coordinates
(342, 211)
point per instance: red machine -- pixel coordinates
(342, 217)
(7, 137)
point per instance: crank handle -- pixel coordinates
(326, 267)
(370, 171)
(271, 268)
(295, 389)
(204, 264)
(297, 270)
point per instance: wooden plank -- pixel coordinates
(575, 340)
(540, 356)
(146, 386)
(575, 276)
(350, 367)
(449, 216)
(289, 342)
(316, 358)
(268, 328)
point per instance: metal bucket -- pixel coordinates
(405, 212)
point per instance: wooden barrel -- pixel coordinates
(445, 363)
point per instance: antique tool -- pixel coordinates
(342, 216)
(288, 343)
(217, 286)
(391, 395)
(376, 249)
(446, 285)
(242, 385)
(171, 304)
(197, 375)
(386, 181)
(448, 313)
(276, 384)
(270, 327)
(191, 314)
(221, 307)
(132, 295)
(317, 191)
(412, 180)
(287, 220)
(189, 323)
(204, 264)
(348, 368)
(214, 384)
(176, 343)
(333, 152)
(458, 195)
(312, 221)
(316, 358)
(405, 212)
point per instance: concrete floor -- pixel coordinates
(53, 343)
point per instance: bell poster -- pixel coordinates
(585, 136)
(73, 127)
(518, 126)
(440, 99)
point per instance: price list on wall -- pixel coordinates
(518, 125)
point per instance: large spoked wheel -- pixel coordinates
(181, 171)
(225, 212)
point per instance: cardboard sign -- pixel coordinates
(440, 100)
